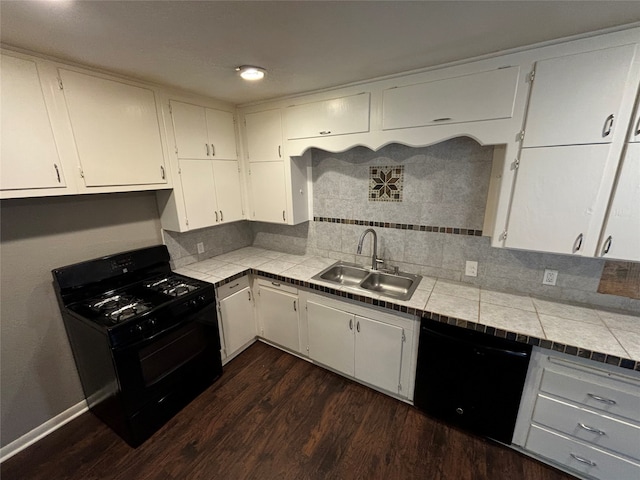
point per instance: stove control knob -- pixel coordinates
(136, 329)
(201, 298)
(151, 323)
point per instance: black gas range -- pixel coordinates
(145, 339)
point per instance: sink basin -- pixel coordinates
(386, 284)
(400, 286)
(344, 274)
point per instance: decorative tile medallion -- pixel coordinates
(385, 184)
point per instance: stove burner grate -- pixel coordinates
(174, 287)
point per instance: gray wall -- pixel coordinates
(38, 378)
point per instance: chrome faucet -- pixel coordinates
(374, 258)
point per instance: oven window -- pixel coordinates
(170, 353)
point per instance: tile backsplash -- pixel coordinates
(434, 229)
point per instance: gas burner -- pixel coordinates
(172, 286)
(118, 308)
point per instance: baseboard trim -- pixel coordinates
(43, 430)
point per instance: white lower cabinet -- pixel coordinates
(582, 417)
(372, 351)
(236, 316)
(278, 314)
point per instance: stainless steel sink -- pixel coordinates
(400, 286)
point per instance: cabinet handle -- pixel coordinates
(58, 172)
(608, 401)
(607, 245)
(325, 132)
(295, 309)
(207, 145)
(216, 216)
(234, 286)
(358, 326)
(213, 150)
(279, 151)
(591, 429)
(586, 461)
(443, 119)
(351, 324)
(275, 284)
(221, 216)
(284, 218)
(578, 243)
(249, 292)
(608, 125)
(161, 171)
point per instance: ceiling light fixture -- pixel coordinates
(251, 72)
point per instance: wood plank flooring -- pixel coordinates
(275, 416)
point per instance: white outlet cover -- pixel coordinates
(471, 269)
(550, 277)
(200, 247)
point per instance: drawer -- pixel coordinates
(263, 282)
(232, 287)
(619, 436)
(598, 392)
(579, 456)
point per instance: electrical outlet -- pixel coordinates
(200, 246)
(471, 269)
(550, 277)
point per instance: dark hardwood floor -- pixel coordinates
(274, 416)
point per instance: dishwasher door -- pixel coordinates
(470, 379)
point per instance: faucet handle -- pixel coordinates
(380, 262)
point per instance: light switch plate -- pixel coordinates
(200, 247)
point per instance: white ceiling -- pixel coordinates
(304, 45)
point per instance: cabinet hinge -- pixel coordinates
(179, 171)
(176, 147)
(399, 387)
(81, 172)
(504, 235)
(170, 111)
(186, 222)
(404, 339)
(60, 85)
(521, 135)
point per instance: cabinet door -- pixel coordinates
(198, 191)
(222, 134)
(378, 353)
(228, 193)
(331, 340)
(621, 232)
(331, 117)
(279, 315)
(116, 131)
(264, 136)
(268, 192)
(190, 130)
(575, 99)
(28, 156)
(554, 196)
(481, 96)
(238, 323)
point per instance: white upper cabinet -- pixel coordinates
(29, 156)
(479, 96)
(116, 131)
(199, 194)
(228, 191)
(264, 136)
(267, 189)
(575, 99)
(556, 197)
(203, 133)
(338, 116)
(621, 233)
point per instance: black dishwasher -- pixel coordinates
(470, 379)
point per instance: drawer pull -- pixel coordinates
(275, 284)
(586, 461)
(608, 401)
(591, 429)
(234, 286)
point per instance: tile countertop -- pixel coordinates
(587, 332)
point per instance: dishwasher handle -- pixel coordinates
(478, 346)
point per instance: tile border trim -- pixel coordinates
(478, 327)
(403, 226)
